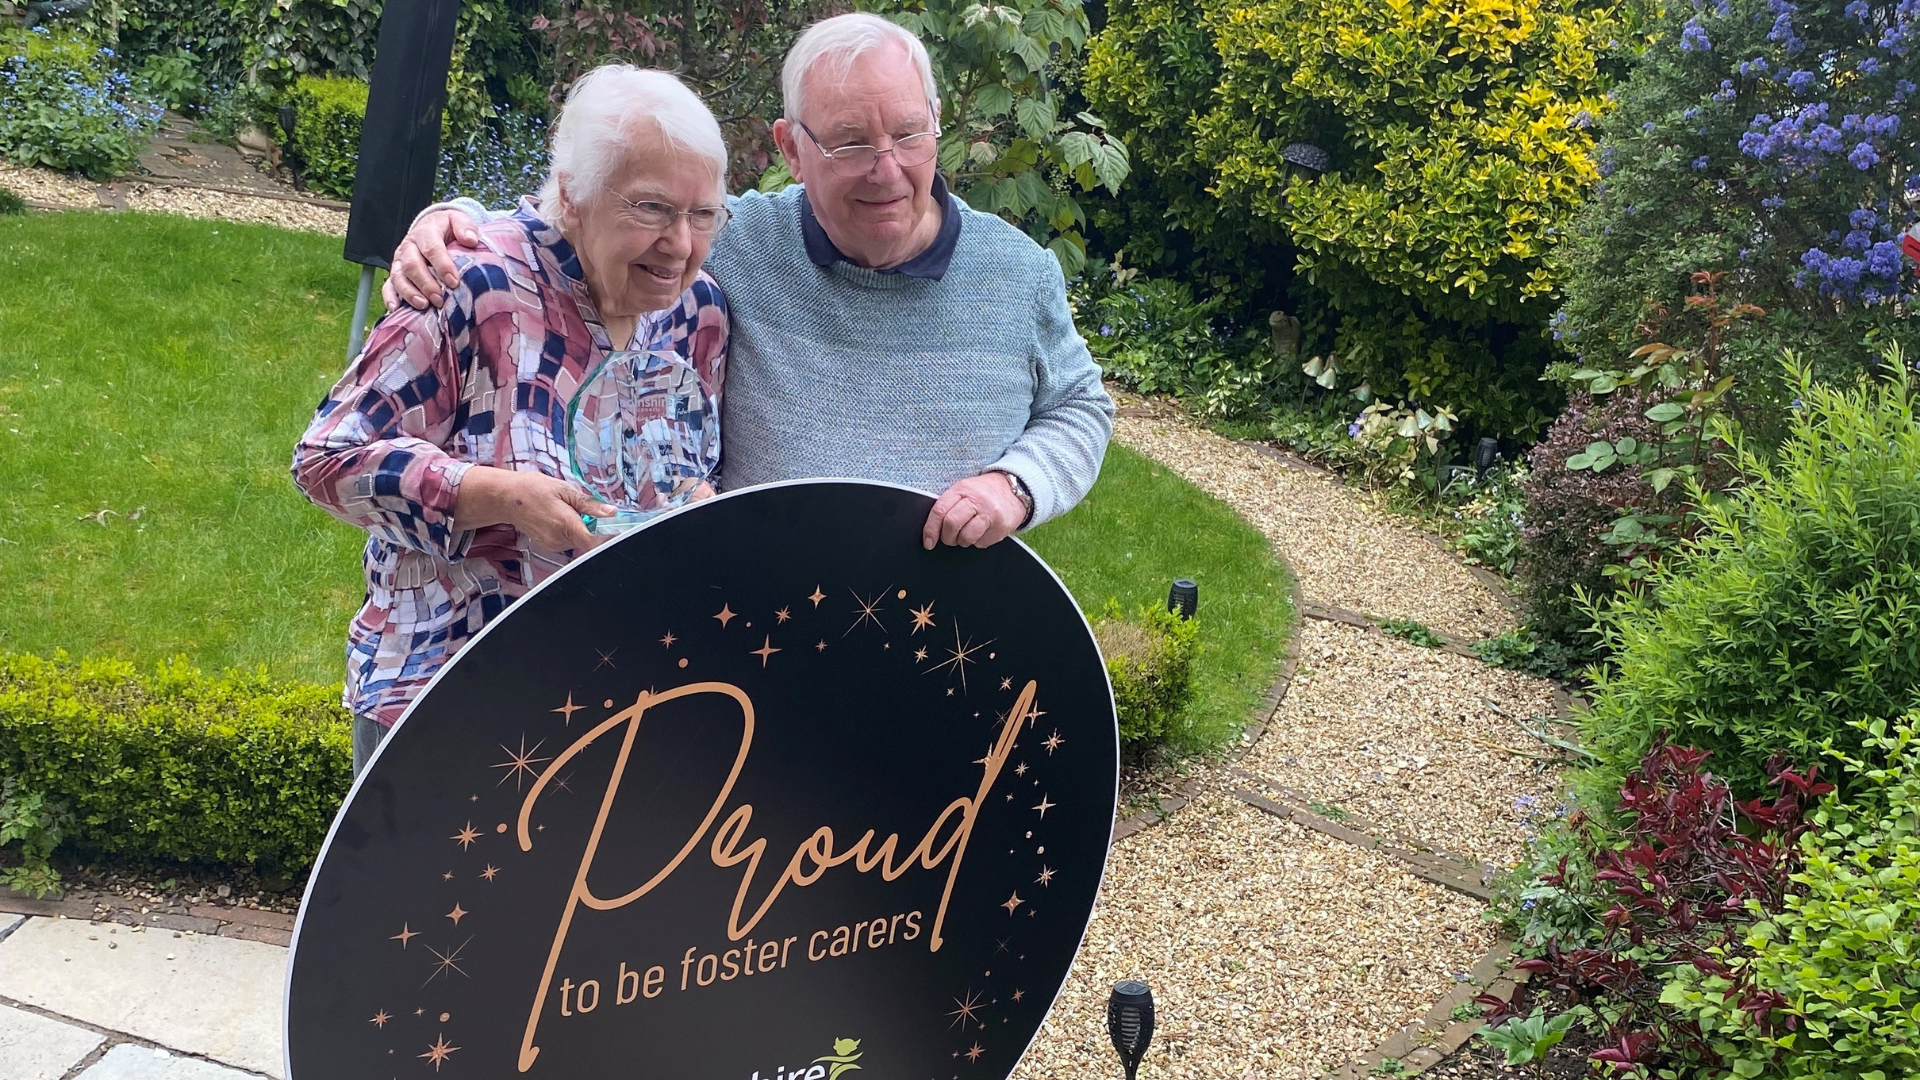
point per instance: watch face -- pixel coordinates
(759, 789)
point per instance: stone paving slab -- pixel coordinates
(131, 1062)
(213, 996)
(33, 1047)
(7, 923)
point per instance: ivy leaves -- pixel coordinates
(1005, 145)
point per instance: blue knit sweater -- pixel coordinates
(845, 372)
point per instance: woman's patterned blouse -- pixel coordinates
(487, 380)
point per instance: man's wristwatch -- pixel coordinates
(1020, 492)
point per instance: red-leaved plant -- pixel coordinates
(1695, 867)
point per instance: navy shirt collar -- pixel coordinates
(930, 264)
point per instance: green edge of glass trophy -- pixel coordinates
(640, 436)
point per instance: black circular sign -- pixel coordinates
(760, 791)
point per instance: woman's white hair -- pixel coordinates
(830, 46)
(606, 109)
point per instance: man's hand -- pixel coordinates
(979, 511)
(422, 269)
(545, 509)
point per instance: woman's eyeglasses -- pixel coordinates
(705, 220)
(909, 151)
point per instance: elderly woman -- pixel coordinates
(447, 438)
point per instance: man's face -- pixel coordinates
(885, 215)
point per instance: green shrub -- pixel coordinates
(1836, 973)
(1413, 631)
(328, 111)
(1524, 650)
(11, 203)
(63, 106)
(1150, 663)
(176, 764)
(37, 824)
(1455, 153)
(1792, 612)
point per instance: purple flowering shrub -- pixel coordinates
(1777, 142)
(63, 106)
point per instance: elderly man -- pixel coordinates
(881, 328)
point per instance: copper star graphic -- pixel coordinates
(1046, 875)
(1018, 994)
(1052, 742)
(1006, 683)
(450, 961)
(960, 655)
(1020, 769)
(817, 596)
(974, 1054)
(765, 651)
(490, 872)
(521, 763)
(668, 639)
(781, 616)
(965, 1012)
(822, 647)
(725, 616)
(466, 836)
(920, 653)
(923, 617)
(867, 611)
(404, 935)
(1045, 806)
(380, 1019)
(448, 876)
(457, 913)
(606, 659)
(438, 1052)
(1013, 901)
(566, 711)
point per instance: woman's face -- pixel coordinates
(630, 266)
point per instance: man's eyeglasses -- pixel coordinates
(704, 220)
(909, 151)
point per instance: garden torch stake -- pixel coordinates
(1130, 1022)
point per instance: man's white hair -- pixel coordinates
(605, 110)
(829, 47)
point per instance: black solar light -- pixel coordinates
(1130, 1022)
(1306, 157)
(1184, 597)
(287, 118)
(1485, 454)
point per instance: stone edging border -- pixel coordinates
(1426, 1042)
(247, 924)
(113, 195)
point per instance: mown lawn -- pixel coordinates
(155, 372)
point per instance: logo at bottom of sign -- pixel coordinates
(845, 1058)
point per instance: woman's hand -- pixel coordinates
(545, 509)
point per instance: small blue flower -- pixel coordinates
(1693, 37)
(1700, 162)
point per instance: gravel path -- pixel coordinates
(1345, 552)
(57, 189)
(1274, 951)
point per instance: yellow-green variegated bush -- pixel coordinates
(1458, 139)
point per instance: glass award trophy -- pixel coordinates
(636, 434)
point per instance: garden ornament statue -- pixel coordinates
(1130, 1023)
(39, 11)
(1286, 334)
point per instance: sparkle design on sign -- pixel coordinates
(490, 872)
(822, 647)
(969, 1007)
(817, 596)
(1013, 902)
(606, 659)
(405, 935)
(973, 1054)
(1046, 875)
(867, 611)
(923, 617)
(1018, 994)
(1020, 769)
(522, 764)
(725, 615)
(920, 653)
(1052, 742)
(1045, 806)
(668, 639)
(1006, 683)
(960, 656)
(764, 652)
(438, 1052)
(457, 913)
(466, 836)
(450, 960)
(566, 711)
(781, 616)
(379, 1019)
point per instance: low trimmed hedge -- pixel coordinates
(1150, 663)
(328, 113)
(176, 764)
